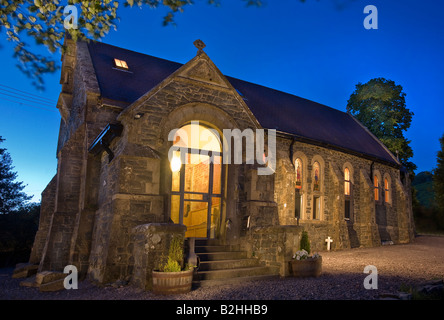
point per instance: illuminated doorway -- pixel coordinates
(196, 184)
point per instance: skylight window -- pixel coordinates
(121, 64)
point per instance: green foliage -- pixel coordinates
(17, 233)
(176, 250)
(171, 266)
(305, 242)
(438, 184)
(43, 21)
(380, 105)
(428, 215)
(423, 185)
(12, 198)
(175, 258)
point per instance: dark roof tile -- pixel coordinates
(274, 109)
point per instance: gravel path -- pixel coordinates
(342, 279)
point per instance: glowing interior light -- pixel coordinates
(175, 163)
(120, 63)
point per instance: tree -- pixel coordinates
(438, 183)
(12, 197)
(380, 105)
(17, 234)
(44, 20)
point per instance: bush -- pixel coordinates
(17, 233)
(171, 266)
(175, 259)
(305, 242)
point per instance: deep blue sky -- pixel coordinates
(318, 50)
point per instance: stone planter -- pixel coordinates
(172, 282)
(306, 268)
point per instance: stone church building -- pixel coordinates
(116, 194)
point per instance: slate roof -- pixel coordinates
(304, 119)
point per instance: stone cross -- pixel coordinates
(329, 241)
(199, 44)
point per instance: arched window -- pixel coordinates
(386, 190)
(316, 177)
(196, 180)
(376, 185)
(347, 182)
(316, 213)
(347, 193)
(298, 167)
(298, 189)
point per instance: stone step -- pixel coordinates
(207, 242)
(227, 264)
(203, 249)
(220, 264)
(232, 273)
(221, 255)
(24, 270)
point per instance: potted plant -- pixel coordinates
(171, 277)
(303, 264)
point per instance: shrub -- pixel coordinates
(305, 243)
(175, 259)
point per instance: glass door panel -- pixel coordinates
(215, 216)
(196, 194)
(217, 174)
(175, 208)
(197, 173)
(195, 215)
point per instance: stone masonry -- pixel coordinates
(110, 215)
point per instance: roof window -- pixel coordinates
(121, 64)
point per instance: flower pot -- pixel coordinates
(172, 282)
(311, 267)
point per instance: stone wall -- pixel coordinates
(129, 196)
(46, 213)
(151, 244)
(57, 249)
(371, 221)
(274, 246)
(91, 209)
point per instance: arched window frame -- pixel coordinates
(387, 189)
(377, 186)
(347, 182)
(316, 177)
(303, 190)
(348, 197)
(299, 173)
(317, 199)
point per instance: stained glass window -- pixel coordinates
(347, 182)
(386, 190)
(376, 184)
(316, 176)
(298, 165)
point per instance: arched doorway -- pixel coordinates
(196, 181)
